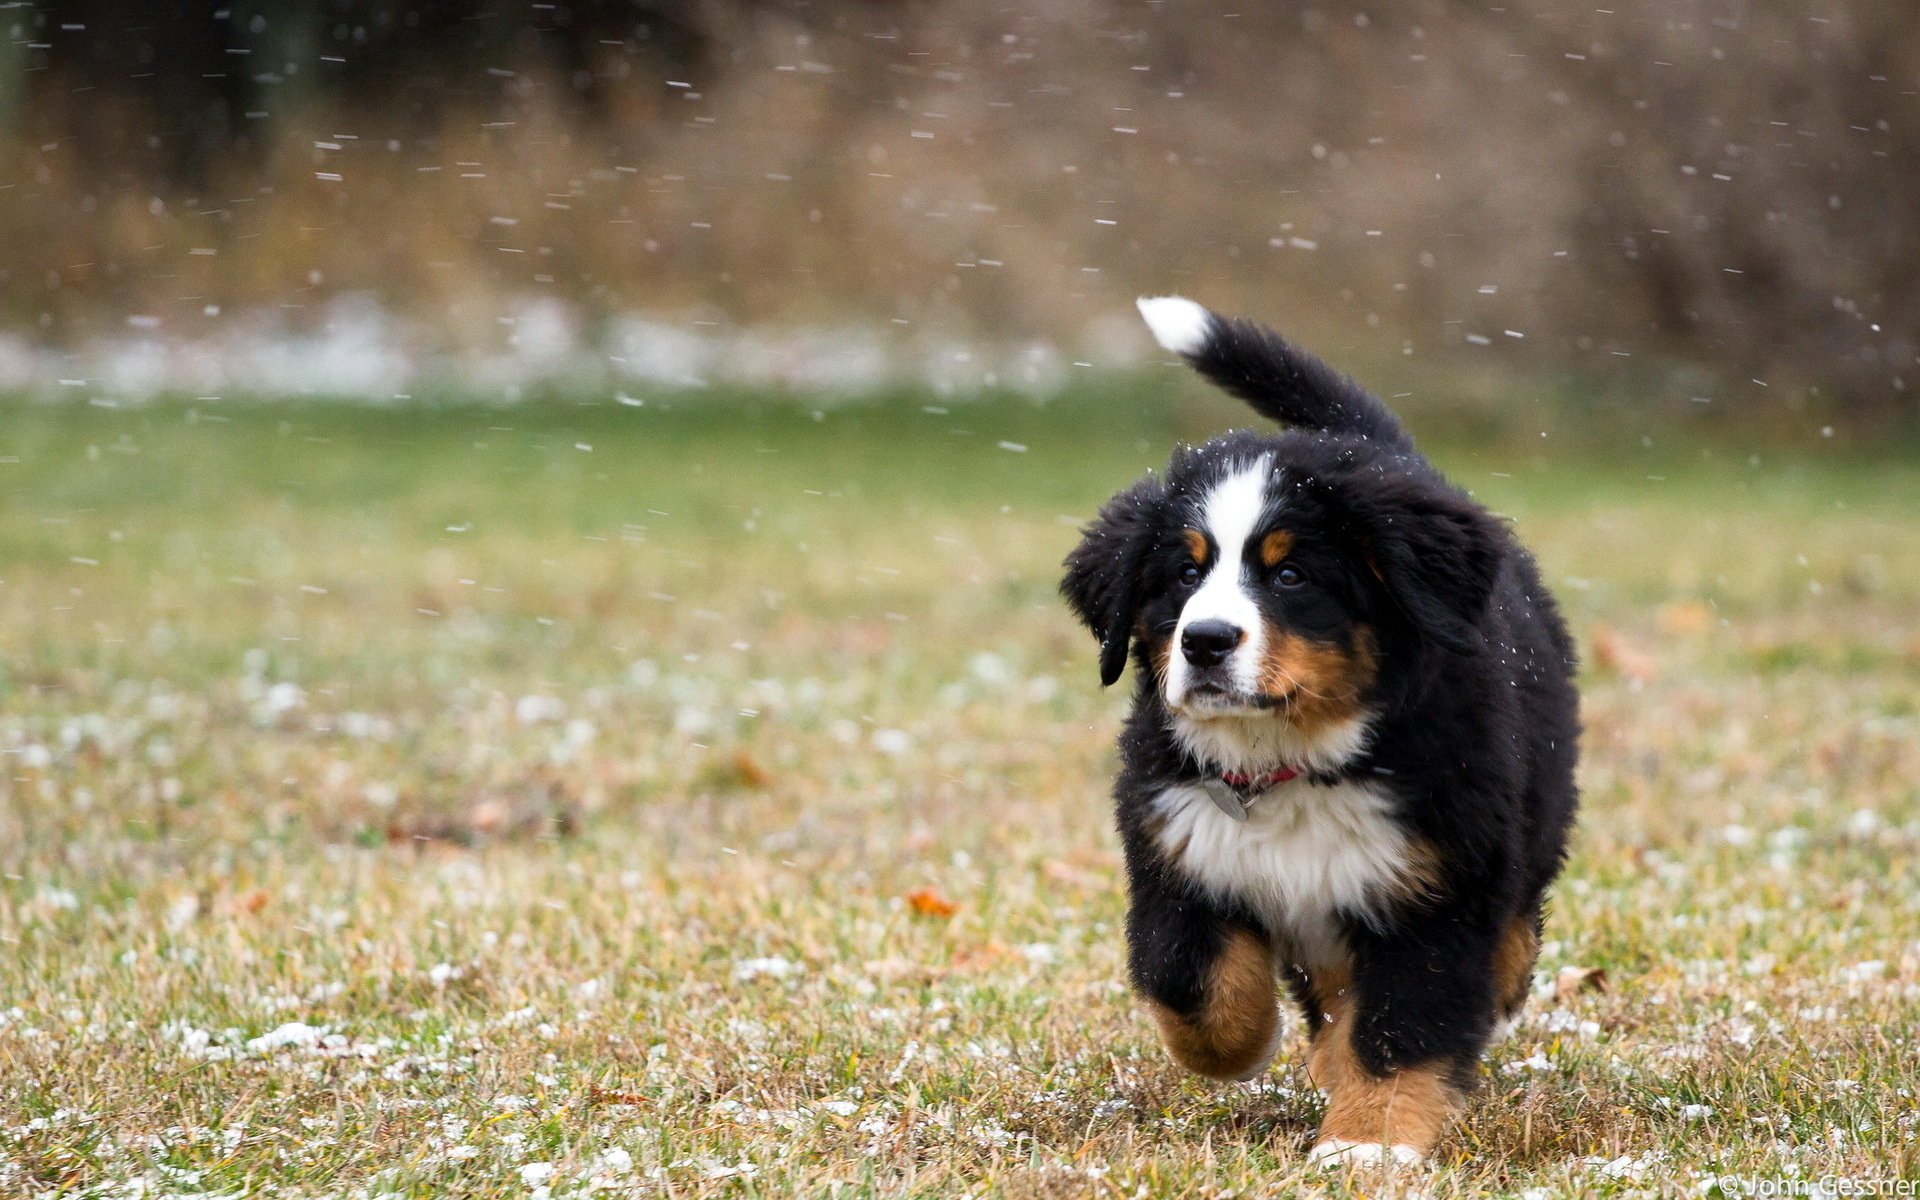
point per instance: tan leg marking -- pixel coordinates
(1330, 996)
(1237, 1029)
(1403, 1112)
(1513, 966)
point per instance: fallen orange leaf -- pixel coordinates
(1573, 980)
(929, 903)
(749, 772)
(1685, 617)
(1061, 871)
(1611, 652)
(978, 958)
(601, 1095)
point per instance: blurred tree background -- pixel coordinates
(1702, 201)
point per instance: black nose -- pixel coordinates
(1207, 643)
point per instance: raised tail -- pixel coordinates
(1256, 364)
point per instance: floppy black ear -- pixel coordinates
(1437, 552)
(1103, 572)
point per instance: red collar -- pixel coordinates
(1258, 783)
(1235, 794)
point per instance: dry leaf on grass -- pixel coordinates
(1061, 871)
(601, 1095)
(1611, 652)
(929, 903)
(981, 957)
(896, 968)
(748, 771)
(1573, 980)
(1685, 617)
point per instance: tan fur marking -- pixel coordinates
(1159, 653)
(1196, 545)
(1403, 1108)
(1422, 877)
(1275, 547)
(1235, 1028)
(1323, 684)
(1513, 965)
(1330, 996)
(1373, 565)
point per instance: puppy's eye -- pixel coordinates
(1190, 575)
(1290, 576)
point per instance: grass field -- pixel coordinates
(711, 800)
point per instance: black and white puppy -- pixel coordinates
(1349, 764)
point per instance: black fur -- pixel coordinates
(1104, 573)
(1257, 365)
(1473, 713)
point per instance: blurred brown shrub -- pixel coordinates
(1728, 186)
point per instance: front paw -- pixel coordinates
(1337, 1152)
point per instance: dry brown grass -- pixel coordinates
(575, 805)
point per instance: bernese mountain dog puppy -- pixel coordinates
(1349, 763)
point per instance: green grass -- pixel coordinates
(572, 765)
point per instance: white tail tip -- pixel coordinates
(1177, 322)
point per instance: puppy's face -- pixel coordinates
(1271, 587)
(1253, 604)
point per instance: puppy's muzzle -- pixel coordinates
(1208, 643)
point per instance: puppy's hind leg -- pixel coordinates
(1513, 961)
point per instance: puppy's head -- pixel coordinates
(1268, 585)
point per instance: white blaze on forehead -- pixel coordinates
(1229, 515)
(1177, 323)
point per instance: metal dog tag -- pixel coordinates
(1226, 799)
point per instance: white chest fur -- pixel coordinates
(1305, 854)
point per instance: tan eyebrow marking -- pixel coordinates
(1196, 545)
(1275, 546)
